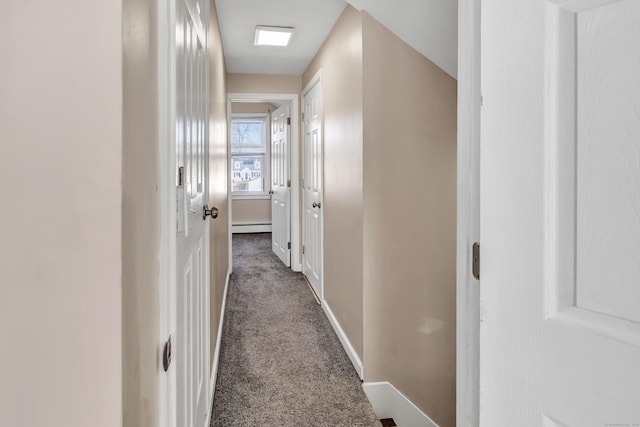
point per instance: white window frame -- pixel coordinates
(245, 195)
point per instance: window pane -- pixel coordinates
(247, 136)
(247, 173)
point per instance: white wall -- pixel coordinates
(429, 26)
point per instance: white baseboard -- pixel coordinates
(351, 352)
(250, 228)
(388, 402)
(216, 353)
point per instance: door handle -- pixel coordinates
(213, 212)
(316, 205)
(270, 192)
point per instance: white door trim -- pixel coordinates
(468, 223)
(167, 256)
(344, 340)
(293, 100)
(317, 78)
(216, 353)
(229, 186)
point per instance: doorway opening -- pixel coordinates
(264, 134)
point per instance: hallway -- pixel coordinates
(281, 363)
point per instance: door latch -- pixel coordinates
(166, 355)
(213, 212)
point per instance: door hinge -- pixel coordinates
(289, 121)
(303, 117)
(180, 175)
(166, 355)
(288, 183)
(302, 249)
(289, 245)
(475, 263)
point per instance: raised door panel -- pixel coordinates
(608, 160)
(591, 336)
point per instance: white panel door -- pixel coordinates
(312, 180)
(560, 213)
(280, 185)
(591, 333)
(192, 239)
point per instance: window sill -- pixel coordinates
(237, 196)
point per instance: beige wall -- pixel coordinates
(140, 231)
(340, 58)
(218, 175)
(263, 83)
(409, 223)
(389, 260)
(60, 222)
(78, 157)
(251, 107)
(251, 211)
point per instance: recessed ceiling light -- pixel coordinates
(273, 36)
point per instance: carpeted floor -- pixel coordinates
(281, 363)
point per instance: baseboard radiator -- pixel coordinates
(260, 227)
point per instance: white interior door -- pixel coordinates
(560, 213)
(312, 180)
(192, 239)
(280, 185)
(591, 334)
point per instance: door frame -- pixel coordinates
(316, 80)
(468, 222)
(167, 257)
(294, 168)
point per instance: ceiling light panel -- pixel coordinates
(273, 36)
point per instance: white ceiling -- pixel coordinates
(430, 26)
(312, 19)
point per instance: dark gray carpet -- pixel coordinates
(281, 364)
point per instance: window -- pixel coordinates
(249, 155)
